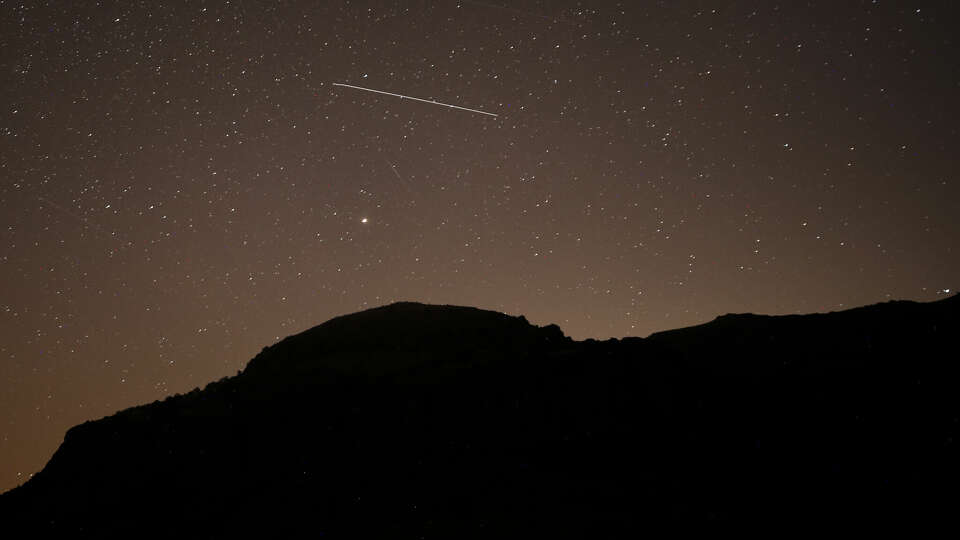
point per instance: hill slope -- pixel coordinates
(412, 421)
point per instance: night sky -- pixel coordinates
(181, 183)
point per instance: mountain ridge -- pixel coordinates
(391, 327)
(486, 423)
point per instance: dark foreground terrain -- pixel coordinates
(419, 421)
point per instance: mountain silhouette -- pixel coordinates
(423, 421)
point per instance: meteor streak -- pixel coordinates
(394, 169)
(401, 96)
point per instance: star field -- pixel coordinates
(182, 184)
